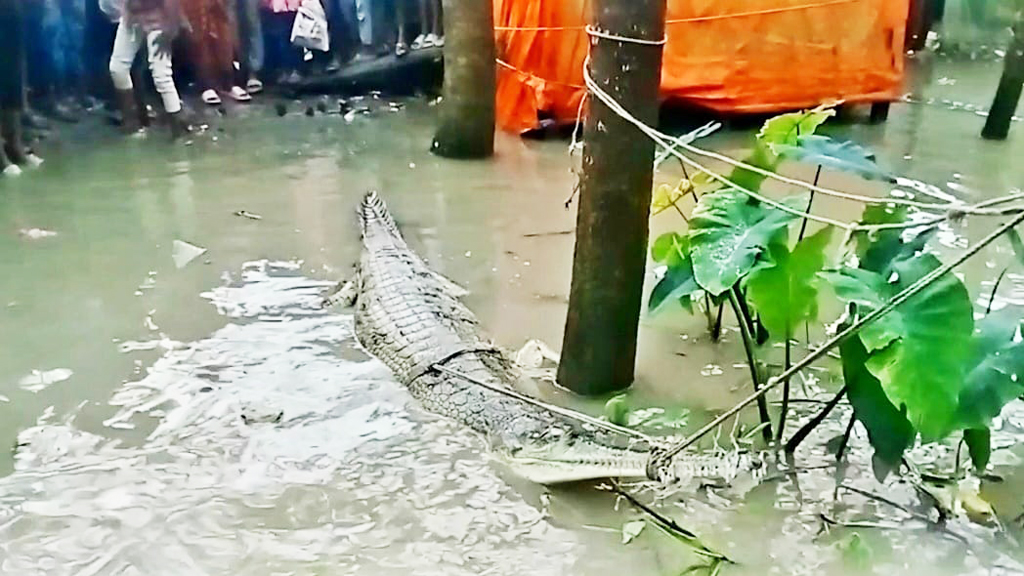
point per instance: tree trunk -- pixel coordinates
(599, 348)
(1004, 105)
(467, 109)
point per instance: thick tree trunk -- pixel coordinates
(467, 108)
(1004, 105)
(599, 348)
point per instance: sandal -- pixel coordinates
(401, 49)
(432, 40)
(419, 43)
(254, 86)
(238, 94)
(210, 97)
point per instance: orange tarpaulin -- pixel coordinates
(725, 55)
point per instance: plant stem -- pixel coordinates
(995, 287)
(846, 439)
(741, 299)
(685, 219)
(716, 328)
(748, 346)
(803, 226)
(785, 389)
(806, 429)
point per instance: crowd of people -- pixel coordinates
(57, 57)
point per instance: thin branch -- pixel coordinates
(995, 287)
(670, 524)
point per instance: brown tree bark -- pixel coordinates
(466, 128)
(599, 347)
(1004, 104)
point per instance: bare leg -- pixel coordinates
(401, 49)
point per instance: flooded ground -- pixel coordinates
(126, 378)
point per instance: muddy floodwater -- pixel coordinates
(207, 418)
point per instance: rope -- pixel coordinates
(683, 20)
(654, 462)
(571, 414)
(624, 39)
(667, 141)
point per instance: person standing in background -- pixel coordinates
(155, 22)
(12, 89)
(211, 42)
(282, 56)
(250, 41)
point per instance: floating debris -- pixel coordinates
(249, 215)
(36, 233)
(41, 379)
(183, 253)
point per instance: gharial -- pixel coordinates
(411, 319)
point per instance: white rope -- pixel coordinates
(624, 39)
(669, 143)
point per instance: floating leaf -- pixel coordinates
(834, 154)
(727, 234)
(979, 446)
(658, 418)
(679, 281)
(786, 293)
(856, 553)
(630, 530)
(616, 409)
(996, 371)
(889, 431)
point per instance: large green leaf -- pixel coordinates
(868, 290)
(678, 282)
(918, 350)
(889, 431)
(996, 370)
(924, 369)
(786, 129)
(782, 130)
(1018, 246)
(877, 250)
(785, 294)
(834, 154)
(728, 232)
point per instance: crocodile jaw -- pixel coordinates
(559, 464)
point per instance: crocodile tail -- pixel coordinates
(374, 216)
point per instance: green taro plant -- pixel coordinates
(926, 369)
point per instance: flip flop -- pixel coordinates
(401, 49)
(419, 43)
(254, 86)
(239, 94)
(210, 97)
(432, 40)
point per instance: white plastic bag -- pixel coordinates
(310, 29)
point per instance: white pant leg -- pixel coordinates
(163, 75)
(126, 46)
